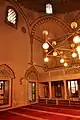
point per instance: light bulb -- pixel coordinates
(53, 42)
(76, 39)
(65, 64)
(45, 46)
(46, 59)
(61, 60)
(74, 55)
(45, 32)
(61, 52)
(54, 53)
(72, 45)
(74, 25)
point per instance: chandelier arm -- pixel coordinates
(67, 57)
(58, 53)
(50, 44)
(50, 51)
(65, 39)
(53, 56)
(65, 49)
(60, 57)
(71, 34)
(61, 43)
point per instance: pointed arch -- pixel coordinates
(31, 70)
(6, 71)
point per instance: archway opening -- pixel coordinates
(31, 76)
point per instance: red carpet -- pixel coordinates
(39, 112)
(45, 115)
(56, 109)
(10, 116)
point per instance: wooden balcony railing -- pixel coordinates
(75, 103)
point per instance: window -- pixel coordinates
(11, 16)
(49, 8)
(33, 91)
(1, 85)
(73, 88)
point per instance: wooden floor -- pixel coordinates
(41, 112)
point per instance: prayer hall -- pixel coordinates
(40, 60)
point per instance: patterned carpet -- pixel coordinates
(41, 112)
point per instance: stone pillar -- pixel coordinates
(65, 90)
(50, 91)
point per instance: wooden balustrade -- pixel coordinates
(51, 102)
(63, 102)
(75, 103)
(42, 101)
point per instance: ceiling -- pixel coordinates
(59, 28)
(59, 6)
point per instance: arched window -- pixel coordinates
(11, 16)
(49, 9)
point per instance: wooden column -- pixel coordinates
(65, 89)
(50, 91)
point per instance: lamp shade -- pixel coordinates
(74, 25)
(61, 60)
(46, 59)
(74, 54)
(54, 53)
(76, 39)
(65, 64)
(45, 46)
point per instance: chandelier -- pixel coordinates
(51, 49)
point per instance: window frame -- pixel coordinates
(6, 15)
